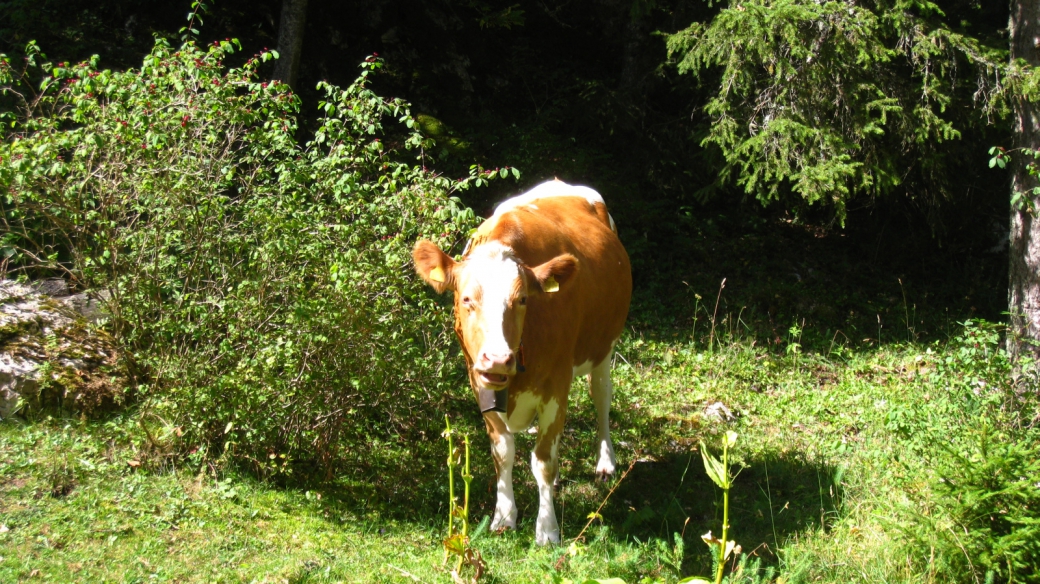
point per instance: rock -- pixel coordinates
(18, 385)
(11, 291)
(54, 287)
(719, 411)
(50, 356)
(86, 306)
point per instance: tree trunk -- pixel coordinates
(636, 67)
(1024, 272)
(290, 41)
(633, 63)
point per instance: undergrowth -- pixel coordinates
(904, 463)
(259, 288)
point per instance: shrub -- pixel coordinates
(261, 288)
(981, 520)
(991, 491)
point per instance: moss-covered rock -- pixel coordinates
(52, 356)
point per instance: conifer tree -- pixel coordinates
(831, 99)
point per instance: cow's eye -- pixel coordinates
(523, 301)
(466, 300)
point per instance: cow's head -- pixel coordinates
(492, 288)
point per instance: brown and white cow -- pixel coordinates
(541, 296)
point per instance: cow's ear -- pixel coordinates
(554, 274)
(434, 266)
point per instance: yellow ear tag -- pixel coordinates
(437, 274)
(551, 285)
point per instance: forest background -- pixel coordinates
(587, 93)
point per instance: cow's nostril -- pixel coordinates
(491, 360)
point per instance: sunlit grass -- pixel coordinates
(830, 446)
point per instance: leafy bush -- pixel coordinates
(262, 288)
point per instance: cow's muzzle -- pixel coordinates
(493, 380)
(495, 369)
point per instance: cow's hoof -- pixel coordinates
(501, 523)
(606, 464)
(605, 468)
(502, 527)
(547, 538)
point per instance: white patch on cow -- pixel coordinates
(523, 412)
(504, 450)
(583, 369)
(553, 188)
(602, 391)
(547, 414)
(546, 529)
(496, 269)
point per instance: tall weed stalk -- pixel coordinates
(457, 542)
(718, 471)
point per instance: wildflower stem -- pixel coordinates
(725, 514)
(451, 481)
(467, 477)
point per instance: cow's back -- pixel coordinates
(588, 313)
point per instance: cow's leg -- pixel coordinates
(503, 450)
(545, 466)
(602, 391)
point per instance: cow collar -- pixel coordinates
(490, 400)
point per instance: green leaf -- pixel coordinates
(713, 467)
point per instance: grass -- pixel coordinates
(77, 511)
(834, 448)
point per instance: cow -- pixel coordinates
(541, 296)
